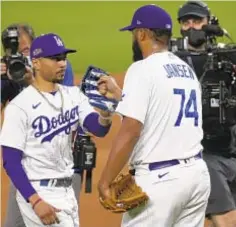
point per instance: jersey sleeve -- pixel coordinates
(14, 129)
(136, 93)
(84, 106)
(69, 77)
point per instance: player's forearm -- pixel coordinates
(2, 107)
(94, 126)
(120, 153)
(12, 164)
(104, 121)
(33, 198)
(117, 94)
(105, 118)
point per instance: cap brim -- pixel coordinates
(127, 28)
(64, 51)
(69, 51)
(197, 14)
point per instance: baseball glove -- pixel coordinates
(125, 195)
(89, 87)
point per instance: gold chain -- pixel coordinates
(49, 103)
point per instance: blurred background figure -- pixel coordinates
(214, 65)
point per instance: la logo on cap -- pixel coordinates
(58, 41)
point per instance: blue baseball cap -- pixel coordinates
(48, 45)
(150, 16)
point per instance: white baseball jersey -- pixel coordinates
(43, 133)
(163, 93)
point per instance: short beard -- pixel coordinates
(57, 81)
(137, 53)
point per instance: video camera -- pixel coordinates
(16, 63)
(218, 80)
(219, 77)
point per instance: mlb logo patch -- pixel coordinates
(37, 51)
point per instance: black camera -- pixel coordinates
(219, 86)
(84, 155)
(15, 62)
(178, 44)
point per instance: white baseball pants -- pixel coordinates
(178, 196)
(59, 197)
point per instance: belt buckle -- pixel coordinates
(59, 183)
(65, 182)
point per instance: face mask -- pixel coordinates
(137, 53)
(195, 37)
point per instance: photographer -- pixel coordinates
(16, 65)
(219, 144)
(16, 40)
(19, 49)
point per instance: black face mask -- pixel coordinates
(195, 37)
(137, 53)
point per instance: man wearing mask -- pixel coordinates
(219, 152)
(9, 90)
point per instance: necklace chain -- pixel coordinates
(49, 103)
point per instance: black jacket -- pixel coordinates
(9, 89)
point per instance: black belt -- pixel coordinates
(60, 182)
(164, 164)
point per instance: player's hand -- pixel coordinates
(104, 191)
(3, 68)
(46, 213)
(108, 87)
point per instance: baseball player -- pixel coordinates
(36, 137)
(161, 129)
(9, 89)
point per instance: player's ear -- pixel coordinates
(142, 34)
(138, 34)
(35, 63)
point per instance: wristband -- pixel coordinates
(105, 118)
(36, 202)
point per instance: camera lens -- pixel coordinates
(17, 69)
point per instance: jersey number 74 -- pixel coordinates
(185, 106)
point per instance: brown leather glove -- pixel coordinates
(125, 195)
